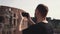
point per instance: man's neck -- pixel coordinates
(41, 20)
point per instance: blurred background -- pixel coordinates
(29, 6)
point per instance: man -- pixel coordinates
(42, 26)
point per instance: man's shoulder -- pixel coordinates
(37, 25)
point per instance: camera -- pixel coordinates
(25, 14)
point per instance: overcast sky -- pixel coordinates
(30, 5)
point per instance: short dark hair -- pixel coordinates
(42, 9)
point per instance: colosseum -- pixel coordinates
(10, 20)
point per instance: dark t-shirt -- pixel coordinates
(40, 28)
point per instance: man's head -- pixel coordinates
(41, 10)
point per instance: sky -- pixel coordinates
(30, 5)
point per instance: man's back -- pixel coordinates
(40, 28)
